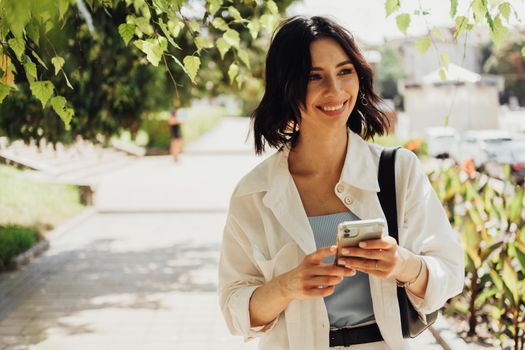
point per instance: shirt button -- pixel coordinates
(348, 200)
(340, 188)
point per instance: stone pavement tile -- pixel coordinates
(11, 330)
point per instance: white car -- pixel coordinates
(441, 140)
(483, 146)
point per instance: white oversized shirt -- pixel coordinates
(267, 233)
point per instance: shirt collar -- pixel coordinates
(273, 175)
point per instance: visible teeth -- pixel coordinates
(332, 108)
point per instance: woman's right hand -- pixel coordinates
(313, 279)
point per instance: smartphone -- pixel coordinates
(350, 233)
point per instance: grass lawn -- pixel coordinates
(30, 203)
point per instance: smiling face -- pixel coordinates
(333, 86)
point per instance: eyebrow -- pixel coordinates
(338, 65)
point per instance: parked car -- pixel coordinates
(441, 140)
(491, 150)
(482, 146)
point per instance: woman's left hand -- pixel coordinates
(379, 257)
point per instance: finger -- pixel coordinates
(320, 254)
(382, 243)
(329, 270)
(366, 264)
(377, 254)
(324, 281)
(320, 292)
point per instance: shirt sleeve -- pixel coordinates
(428, 232)
(239, 277)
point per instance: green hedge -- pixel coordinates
(15, 240)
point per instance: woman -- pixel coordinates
(275, 280)
(176, 134)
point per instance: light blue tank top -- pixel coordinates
(351, 302)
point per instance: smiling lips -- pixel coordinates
(332, 109)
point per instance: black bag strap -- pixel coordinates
(387, 189)
(387, 197)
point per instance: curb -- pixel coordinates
(445, 336)
(25, 257)
(68, 225)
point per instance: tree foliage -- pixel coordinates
(102, 65)
(507, 61)
(497, 14)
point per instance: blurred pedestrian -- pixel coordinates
(175, 123)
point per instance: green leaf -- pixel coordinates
(194, 26)
(220, 24)
(58, 62)
(33, 32)
(438, 34)
(152, 48)
(232, 37)
(442, 74)
(30, 69)
(504, 9)
(444, 59)
(59, 106)
(268, 22)
(422, 44)
(223, 46)
(18, 46)
(510, 279)
(479, 8)
(391, 6)
(461, 25)
(203, 43)
(63, 5)
(235, 13)
(523, 51)
(4, 91)
(192, 63)
(126, 31)
(214, 6)
(453, 8)
(243, 55)
(403, 21)
(272, 7)
(233, 71)
(167, 33)
(500, 32)
(141, 23)
(35, 55)
(42, 90)
(254, 28)
(175, 25)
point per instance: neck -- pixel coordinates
(319, 152)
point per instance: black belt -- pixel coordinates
(358, 335)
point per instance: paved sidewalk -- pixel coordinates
(140, 273)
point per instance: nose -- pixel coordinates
(332, 86)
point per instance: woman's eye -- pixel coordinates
(314, 77)
(345, 71)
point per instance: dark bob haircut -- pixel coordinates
(288, 63)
